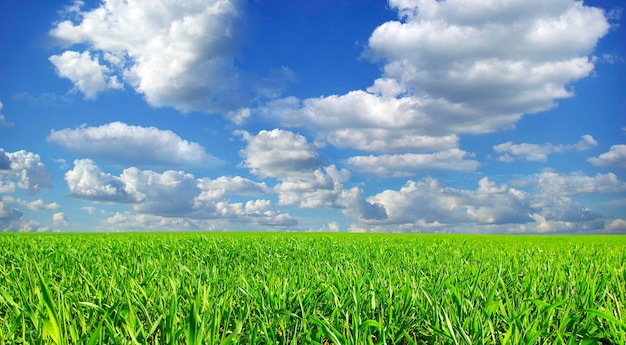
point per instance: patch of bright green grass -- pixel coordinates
(208, 288)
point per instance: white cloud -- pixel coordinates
(173, 194)
(85, 72)
(291, 159)
(430, 202)
(278, 153)
(92, 210)
(39, 205)
(303, 180)
(615, 157)
(575, 183)
(146, 222)
(456, 67)
(239, 116)
(329, 227)
(617, 225)
(169, 193)
(87, 181)
(408, 164)
(27, 169)
(538, 152)
(316, 188)
(177, 54)
(21, 225)
(367, 121)
(552, 194)
(127, 144)
(8, 213)
(429, 205)
(356, 206)
(60, 219)
(218, 188)
(7, 187)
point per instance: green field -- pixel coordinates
(218, 288)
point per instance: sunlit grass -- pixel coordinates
(181, 288)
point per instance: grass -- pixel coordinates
(181, 288)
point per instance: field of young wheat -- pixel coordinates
(207, 288)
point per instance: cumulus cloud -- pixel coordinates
(168, 193)
(215, 189)
(146, 222)
(36, 205)
(39, 205)
(615, 157)
(455, 67)
(430, 202)
(174, 194)
(575, 183)
(617, 226)
(87, 181)
(26, 169)
(430, 205)
(128, 221)
(22, 225)
(177, 54)
(7, 212)
(7, 187)
(291, 159)
(60, 219)
(122, 143)
(278, 153)
(356, 206)
(303, 179)
(367, 121)
(86, 73)
(317, 188)
(495, 59)
(552, 195)
(408, 164)
(538, 152)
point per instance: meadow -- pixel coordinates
(286, 288)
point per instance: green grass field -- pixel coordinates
(210, 288)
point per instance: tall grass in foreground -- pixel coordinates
(311, 289)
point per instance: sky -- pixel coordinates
(455, 116)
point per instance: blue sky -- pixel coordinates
(401, 116)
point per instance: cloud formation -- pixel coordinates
(451, 67)
(26, 169)
(303, 179)
(177, 54)
(8, 213)
(278, 153)
(430, 205)
(409, 164)
(430, 202)
(86, 73)
(575, 183)
(615, 157)
(175, 194)
(87, 181)
(122, 143)
(538, 152)
(60, 219)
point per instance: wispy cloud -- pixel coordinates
(122, 143)
(539, 152)
(615, 157)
